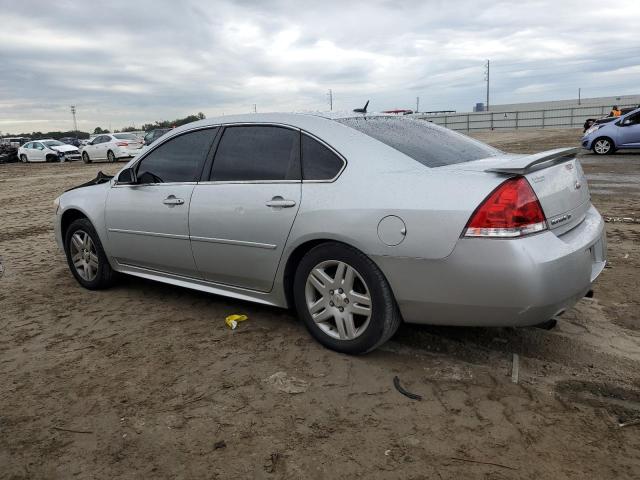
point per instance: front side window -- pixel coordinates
(178, 160)
(318, 162)
(39, 146)
(257, 152)
(426, 143)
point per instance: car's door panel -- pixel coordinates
(240, 220)
(148, 223)
(155, 233)
(629, 135)
(236, 237)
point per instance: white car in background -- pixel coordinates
(111, 147)
(47, 150)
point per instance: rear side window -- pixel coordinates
(178, 160)
(426, 143)
(125, 136)
(250, 153)
(318, 162)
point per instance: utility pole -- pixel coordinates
(330, 95)
(417, 104)
(75, 124)
(579, 92)
(486, 77)
(255, 108)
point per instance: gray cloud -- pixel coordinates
(137, 61)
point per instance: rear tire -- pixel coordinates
(603, 146)
(85, 157)
(355, 319)
(111, 157)
(85, 256)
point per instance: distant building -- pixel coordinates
(553, 104)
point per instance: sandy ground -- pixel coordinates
(145, 381)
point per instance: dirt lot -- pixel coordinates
(145, 381)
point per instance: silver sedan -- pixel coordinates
(359, 223)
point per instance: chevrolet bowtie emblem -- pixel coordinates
(578, 185)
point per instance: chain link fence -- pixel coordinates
(568, 117)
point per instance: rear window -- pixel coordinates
(426, 143)
(125, 136)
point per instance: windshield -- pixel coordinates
(426, 143)
(52, 143)
(125, 136)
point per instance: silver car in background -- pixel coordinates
(357, 222)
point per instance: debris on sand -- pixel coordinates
(622, 219)
(233, 320)
(282, 382)
(515, 369)
(406, 393)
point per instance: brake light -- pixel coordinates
(122, 144)
(511, 210)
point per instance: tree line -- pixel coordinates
(98, 130)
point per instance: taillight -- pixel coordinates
(511, 210)
(122, 144)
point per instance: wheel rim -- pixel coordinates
(85, 157)
(24, 159)
(602, 146)
(111, 157)
(84, 255)
(338, 300)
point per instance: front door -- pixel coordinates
(629, 133)
(148, 223)
(241, 218)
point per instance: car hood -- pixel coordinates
(64, 148)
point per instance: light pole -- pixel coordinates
(75, 124)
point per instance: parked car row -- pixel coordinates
(109, 146)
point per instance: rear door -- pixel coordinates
(148, 223)
(629, 132)
(241, 217)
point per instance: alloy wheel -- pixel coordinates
(111, 157)
(84, 255)
(338, 300)
(602, 147)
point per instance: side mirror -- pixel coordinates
(127, 177)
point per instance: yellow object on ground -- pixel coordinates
(233, 320)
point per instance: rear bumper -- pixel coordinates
(491, 282)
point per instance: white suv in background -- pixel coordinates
(112, 147)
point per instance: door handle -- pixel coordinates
(279, 202)
(172, 200)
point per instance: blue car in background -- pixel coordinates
(605, 138)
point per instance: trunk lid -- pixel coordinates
(556, 177)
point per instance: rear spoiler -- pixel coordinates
(530, 163)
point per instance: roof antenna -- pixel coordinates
(362, 110)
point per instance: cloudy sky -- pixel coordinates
(132, 62)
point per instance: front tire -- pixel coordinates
(603, 146)
(344, 299)
(24, 159)
(86, 258)
(111, 157)
(85, 157)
